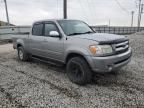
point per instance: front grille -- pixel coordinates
(121, 47)
(122, 61)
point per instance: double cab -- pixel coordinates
(74, 44)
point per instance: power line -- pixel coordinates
(57, 8)
(123, 8)
(84, 13)
(89, 7)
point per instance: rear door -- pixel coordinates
(37, 39)
(54, 46)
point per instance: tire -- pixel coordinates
(22, 55)
(78, 71)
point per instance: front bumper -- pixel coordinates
(109, 63)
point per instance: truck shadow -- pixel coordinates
(101, 79)
(54, 67)
(105, 79)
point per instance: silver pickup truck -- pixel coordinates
(74, 44)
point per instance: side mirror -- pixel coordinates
(54, 34)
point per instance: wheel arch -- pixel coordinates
(20, 42)
(19, 45)
(74, 54)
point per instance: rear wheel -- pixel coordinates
(22, 55)
(79, 71)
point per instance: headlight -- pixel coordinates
(100, 49)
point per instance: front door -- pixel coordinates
(53, 45)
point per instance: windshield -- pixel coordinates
(74, 27)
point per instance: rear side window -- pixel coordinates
(37, 29)
(49, 27)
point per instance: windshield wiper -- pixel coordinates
(88, 32)
(80, 33)
(74, 34)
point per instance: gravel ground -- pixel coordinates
(39, 85)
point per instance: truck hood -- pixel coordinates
(102, 37)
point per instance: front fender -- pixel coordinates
(76, 50)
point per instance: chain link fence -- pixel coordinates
(117, 30)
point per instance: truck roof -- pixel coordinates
(54, 20)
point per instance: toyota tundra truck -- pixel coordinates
(75, 45)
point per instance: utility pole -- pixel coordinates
(6, 12)
(139, 12)
(65, 9)
(132, 18)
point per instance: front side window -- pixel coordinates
(37, 30)
(48, 28)
(74, 27)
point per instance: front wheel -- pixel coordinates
(79, 71)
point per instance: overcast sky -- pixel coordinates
(94, 12)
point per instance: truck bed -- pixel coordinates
(8, 32)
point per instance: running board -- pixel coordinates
(55, 63)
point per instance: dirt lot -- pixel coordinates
(39, 85)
